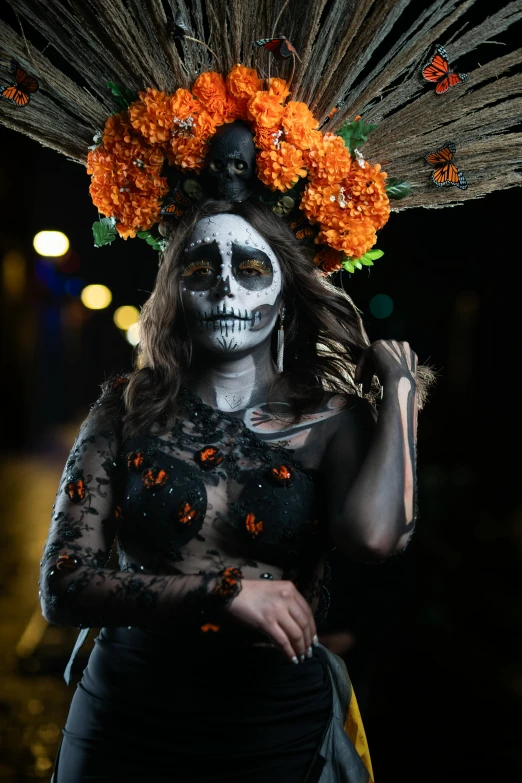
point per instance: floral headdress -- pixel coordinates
(173, 85)
(340, 194)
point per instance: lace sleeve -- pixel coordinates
(75, 586)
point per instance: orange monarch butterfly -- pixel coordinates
(280, 47)
(438, 71)
(446, 173)
(176, 205)
(20, 92)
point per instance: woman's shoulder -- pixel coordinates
(109, 407)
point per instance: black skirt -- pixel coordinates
(153, 708)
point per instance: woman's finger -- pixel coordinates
(302, 620)
(278, 635)
(294, 633)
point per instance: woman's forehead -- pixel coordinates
(228, 228)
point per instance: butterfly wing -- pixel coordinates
(450, 81)
(443, 155)
(271, 44)
(287, 49)
(438, 67)
(12, 93)
(448, 174)
(25, 82)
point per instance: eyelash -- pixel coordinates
(254, 263)
(196, 266)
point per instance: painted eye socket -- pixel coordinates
(198, 269)
(240, 165)
(216, 165)
(253, 267)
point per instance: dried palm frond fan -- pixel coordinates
(380, 73)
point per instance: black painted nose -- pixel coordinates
(222, 289)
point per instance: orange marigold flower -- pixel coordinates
(125, 177)
(329, 260)
(267, 138)
(211, 91)
(328, 160)
(152, 116)
(300, 125)
(265, 110)
(280, 169)
(279, 89)
(357, 237)
(243, 82)
(183, 104)
(189, 151)
(365, 193)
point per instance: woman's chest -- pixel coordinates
(215, 487)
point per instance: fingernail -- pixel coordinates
(301, 658)
(316, 640)
(294, 659)
(309, 652)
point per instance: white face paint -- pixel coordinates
(230, 285)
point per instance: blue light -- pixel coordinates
(381, 306)
(74, 285)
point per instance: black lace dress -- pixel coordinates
(174, 690)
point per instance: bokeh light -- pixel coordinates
(126, 316)
(133, 334)
(381, 306)
(51, 243)
(96, 296)
(74, 285)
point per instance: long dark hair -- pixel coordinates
(324, 334)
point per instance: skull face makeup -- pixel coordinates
(231, 285)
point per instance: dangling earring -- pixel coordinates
(281, 339)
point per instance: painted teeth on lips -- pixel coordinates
(224, 314)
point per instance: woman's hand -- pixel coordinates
(389, 360)
(278, 609)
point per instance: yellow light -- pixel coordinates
(125, 316)
(96, 297)
(51, 243)
(13, 274)
(133, 334)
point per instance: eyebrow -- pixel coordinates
(247, 251)
(200, 251)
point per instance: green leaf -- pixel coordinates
(397, 188)
(124, 96)
(355, 133)
(104, 231)
(155, 242)
(347, 264)
(365, 261)
(373, 255)
(356, 262)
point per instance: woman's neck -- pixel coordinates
(232, 383)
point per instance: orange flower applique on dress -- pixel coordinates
(228, 584)
(76, 491)
(210, 627)
(282, 474)
(154, 478)
(135, 460)
(186, 514)
(253, 527)
(209, 457)
(67, 563)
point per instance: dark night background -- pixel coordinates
(437, 657)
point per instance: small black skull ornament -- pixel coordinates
(231, 162)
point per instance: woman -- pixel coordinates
(225, 481)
